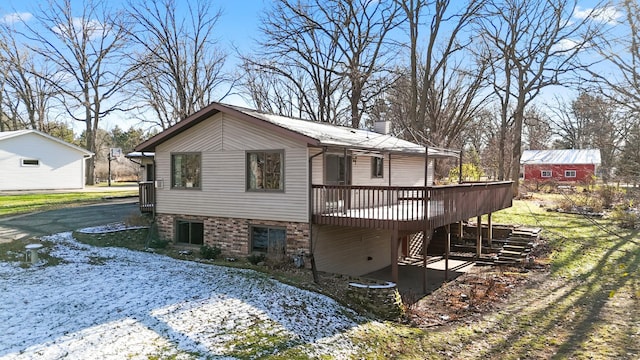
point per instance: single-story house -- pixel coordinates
(33, 160)
(560, 165)
(350, 199)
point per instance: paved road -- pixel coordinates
(23, 227)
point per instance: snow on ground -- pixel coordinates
(103, 303)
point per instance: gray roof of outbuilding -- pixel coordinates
(15, 133)
(571, 156)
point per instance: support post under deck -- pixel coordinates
(446, 252)
(394, 256)
(479, 237)
(489, 231)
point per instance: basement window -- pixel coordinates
(30, 162)
(189, 232)
(268, 240)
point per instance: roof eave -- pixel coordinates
(413, 152)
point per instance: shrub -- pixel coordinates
(625, 217)
(256, 258)
(210, 252)
(136, 219)
(470, 172)
(157, 243)
(609, 195)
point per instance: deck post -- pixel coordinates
(479, 238)
(311, 199)
(460, 169)
(446, 252)
(389, 168)
(490, 231)
(425, 215)
(394, 256)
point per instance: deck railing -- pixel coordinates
(407, 207)
(146, 194)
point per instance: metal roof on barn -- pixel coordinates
(571, 156)
(313, 133)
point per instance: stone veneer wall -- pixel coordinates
(232, 234)
(382, 300)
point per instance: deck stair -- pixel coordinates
(516, 249)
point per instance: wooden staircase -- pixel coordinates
(515, 250)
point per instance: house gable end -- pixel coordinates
(210, 111)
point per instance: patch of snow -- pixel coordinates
(136, 304)
(109, 228)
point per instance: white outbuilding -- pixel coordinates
(33, 160)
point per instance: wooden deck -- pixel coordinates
(403, 208)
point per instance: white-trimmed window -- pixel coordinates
(377, 167)
(30, 162)
(569, 173)
(545, 173)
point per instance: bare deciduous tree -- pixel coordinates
(327, 50)
(28, 93)
(536, 129)
(530, 45)
(270, 92)
(445, 79)
(85, 52)
(179, 65)
(622, 54)
(592, 122)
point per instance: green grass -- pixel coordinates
(585, 308)
(25, 203)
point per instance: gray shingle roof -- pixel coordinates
(313, 133)
(342, 136)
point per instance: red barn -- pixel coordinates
(560, 165)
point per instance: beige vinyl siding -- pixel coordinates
(405, 170)
(223, 192)
(361, 171)
(345, 250)
(317, 166)
(409, 171)
(205, 137)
